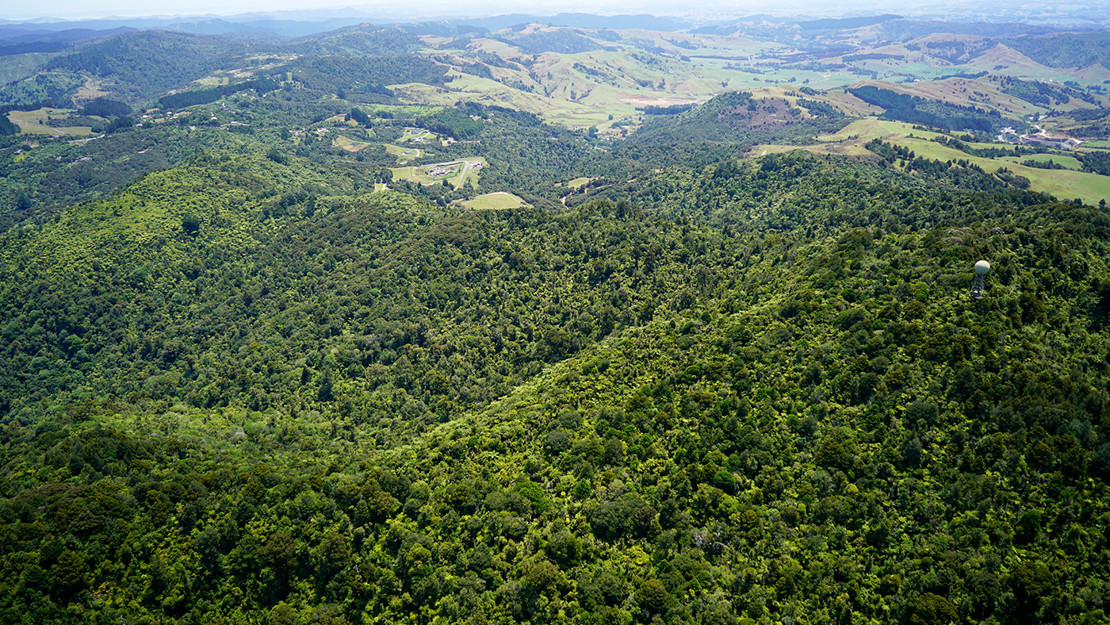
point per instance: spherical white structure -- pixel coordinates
(982, 267)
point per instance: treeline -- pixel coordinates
(1065, 49)
(1040, 93)
(54, 88)
(991, 152)
(734, 118)
(916, 110)
(211, 94)
(105, 107)
(1042, 164)
(453, 123)
(1095, 161)
(359, 41)
(818, 108)
(960, 173)
(6, 126)
(673, 109)
(144, 63)
(525, 155)
(59, 173)
(368, 75)
(795, 193)
(120, 123)
(359, 116)
(890, 152)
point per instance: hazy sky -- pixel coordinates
(131, 8)
(707, 9)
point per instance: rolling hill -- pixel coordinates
(535, 320)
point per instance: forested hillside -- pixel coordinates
(737, 118)
(228, 398)
(934, 114)
(144, 63)
(273, 349)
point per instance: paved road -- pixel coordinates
(462, 176)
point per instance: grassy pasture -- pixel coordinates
(349, 145)
(836, 149)
(553, 109)
(34, 123)
(211, 81)
(585, 89)
(1068, 162)
(1062, 183)
(864, 130)
(404, 154)
(92, 89)
(499, 200)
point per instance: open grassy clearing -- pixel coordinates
(498, 200)
(92, 89)
(577, 182)
(33, 123)
(349, 145)
(341, 119)
(495, 46)
(404, 154)
(788, 77)
(870, 128)
(1062, 183)
(578, 90)
(835, 149)
(1068, 162)
(455, 173)
(1018, 65)
(754, 73)
(211, 81)
(602, 75)
(600, 78)
(486, 91)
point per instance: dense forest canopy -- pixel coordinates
(340, 329)
(918, 110)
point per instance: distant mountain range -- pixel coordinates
(302, 23)
(306, 25)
